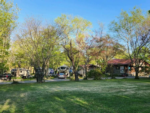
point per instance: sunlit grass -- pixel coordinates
(109, 96)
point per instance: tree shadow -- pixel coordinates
(57, 97)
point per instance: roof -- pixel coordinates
(119, 61)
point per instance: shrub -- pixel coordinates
(96, 74)
(72, 78)
(71, 74)
(115, 75)
(32, 73)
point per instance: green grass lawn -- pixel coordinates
(104, 96)
(28, 79)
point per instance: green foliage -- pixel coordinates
(8, 16)
(96, 74)
(148, 11)
(145, 69)
(72, 78)
(37, 44)
(128, 21)
(72, 29)
(103, 64)
(143, 54)
(71, 74)
(114, 75)
(59, 58)
(132, 31)
(72, 26)
(121, 56)
(3, 67)
(18, 57)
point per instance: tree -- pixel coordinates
(17, 57)
(85, 46)
(106, 49)
(8, 16)
(72, 28)
(73, 55)
(148, 11)
(38, 42)
(132, 31)
(59, 58)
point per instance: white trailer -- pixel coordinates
(24, 73)
(64, 69)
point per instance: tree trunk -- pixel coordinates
(75, 73)
(112, 72)
(19, 64)
(39, 75)
(47, 69)
(17, 72)
(85, 71)
(35, 71)
(76, 76)
(136, 73)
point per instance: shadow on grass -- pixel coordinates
(73, 102)
(72, 97)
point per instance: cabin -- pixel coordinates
(125, 67)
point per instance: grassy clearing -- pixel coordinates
(27, 79)
(105, 96)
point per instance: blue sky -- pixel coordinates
(93, 10)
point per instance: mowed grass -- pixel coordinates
(104, 96)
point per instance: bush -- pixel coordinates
(32, 73)
(72, 78)
(16, 77)
(96, 74)
(115, 75)
(71, 74)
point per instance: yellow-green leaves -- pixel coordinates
(73, 26)
(8, 16)
(128, 22)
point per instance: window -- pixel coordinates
(129, 68)
(63, 67)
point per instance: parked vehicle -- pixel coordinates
(6, 76)
(70, 70)
(24, 73)
(61, 75)
(64, 69)
(50, 72)
(13, 72)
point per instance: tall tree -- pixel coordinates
(38, 42)
(8, 16)
(105, 49)
(72, 28)
(18, 57)
(132, 31)
(85, 45)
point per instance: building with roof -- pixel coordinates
(124, 67)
